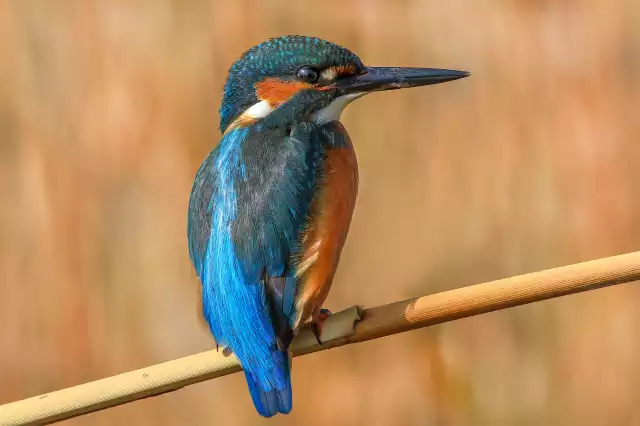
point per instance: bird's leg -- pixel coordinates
(323, 314)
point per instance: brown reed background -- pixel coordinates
(107, 109)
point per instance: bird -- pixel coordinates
(272, 203)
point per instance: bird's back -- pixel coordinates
(251, 199)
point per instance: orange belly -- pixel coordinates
(326, 232)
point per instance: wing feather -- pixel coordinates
(249, 202)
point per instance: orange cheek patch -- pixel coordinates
(337, 71)
(344, 70)
(277, 91)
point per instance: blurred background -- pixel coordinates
(108, 108)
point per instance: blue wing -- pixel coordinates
(248, 204)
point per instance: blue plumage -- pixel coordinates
(249, 201)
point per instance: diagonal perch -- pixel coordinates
(340, 329)
(158, 379)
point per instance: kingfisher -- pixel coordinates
(272, 203)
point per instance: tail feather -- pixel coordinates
(271, 401)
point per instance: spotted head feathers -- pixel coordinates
(297, 70)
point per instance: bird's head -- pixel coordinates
(296, 78)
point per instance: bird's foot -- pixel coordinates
(226, 350)
(319, 322)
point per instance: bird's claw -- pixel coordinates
(226, 350)
(319, 322)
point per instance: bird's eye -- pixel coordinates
(308, 74)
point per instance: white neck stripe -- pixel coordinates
(331, 112)
(259, 110)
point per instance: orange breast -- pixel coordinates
(325, 235)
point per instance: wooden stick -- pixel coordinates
(340, 329)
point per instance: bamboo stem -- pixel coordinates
(340, 329)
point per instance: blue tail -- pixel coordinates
(269, 398)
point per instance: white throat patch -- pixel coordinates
(333, 111)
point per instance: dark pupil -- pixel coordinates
(308, 74)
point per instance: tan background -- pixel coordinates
(108, 108)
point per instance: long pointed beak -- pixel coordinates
(391, 78)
